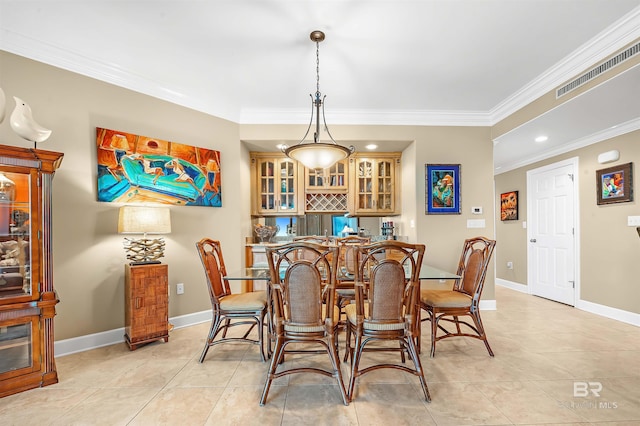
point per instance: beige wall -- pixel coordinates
(88, 254)
(609, 249)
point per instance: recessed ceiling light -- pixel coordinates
(281, 146)
(541, 138)
(371, 146)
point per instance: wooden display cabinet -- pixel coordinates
(27, 294)
(275, 184)
(146, 304)
(375, 184)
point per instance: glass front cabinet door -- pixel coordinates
(276, 180)
(27, 295)
(376, 184)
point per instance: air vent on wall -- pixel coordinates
(596, 71)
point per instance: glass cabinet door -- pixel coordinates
(19, 345)
(375, 185)
(364, 183)
(266, 170)
(15, 235)
(277, 185)
(334, 177)
(385, 185)
(287, 186)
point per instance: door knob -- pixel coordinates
(533, 240)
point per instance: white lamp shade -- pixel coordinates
(317, 155)
(144, 220)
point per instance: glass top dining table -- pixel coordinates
(258, 273)
(261, 273)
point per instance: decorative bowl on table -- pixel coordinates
(265, 233)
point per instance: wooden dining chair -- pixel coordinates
(304, 311)
(387, 285)
(347, 263)
(318, 239)
(463, 299)
(227, 308)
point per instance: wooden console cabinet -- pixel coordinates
(27, 295)
(146, 304)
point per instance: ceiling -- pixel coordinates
(395, 62)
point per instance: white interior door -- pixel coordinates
(552, 216)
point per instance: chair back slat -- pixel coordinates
(472, 272)
(304, 299)
(387, 292)
(473, 265)
(211, 257)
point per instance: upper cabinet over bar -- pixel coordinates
(274, 185)
(365, 185)
(375, 184)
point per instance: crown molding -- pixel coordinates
(387, 118)
(609, 41)
(51, 54)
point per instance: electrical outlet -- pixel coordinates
(180, 288)
(509, 265)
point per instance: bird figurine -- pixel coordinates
(25, 126)
(2, 105)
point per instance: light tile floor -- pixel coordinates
(542, 350)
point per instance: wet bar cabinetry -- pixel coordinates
(363, 185)
(27, 294)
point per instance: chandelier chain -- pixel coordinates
(317, 68)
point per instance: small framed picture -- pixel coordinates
(615, 184)
(442, 189)
(509, 205)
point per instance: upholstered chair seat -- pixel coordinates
(445, 298)
(251, 301)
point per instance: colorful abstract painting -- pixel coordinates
(442, 188)
(509, 205)
(140, 169)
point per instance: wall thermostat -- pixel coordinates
(476, 210)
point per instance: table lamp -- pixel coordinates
(144, 220)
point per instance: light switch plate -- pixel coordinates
(476, 223)
(633, 220)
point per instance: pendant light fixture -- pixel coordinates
(316, 154)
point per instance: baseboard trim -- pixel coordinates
(488, 305)
(111, 337)
(512, 285)
(583, 305)
(609, 312)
